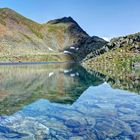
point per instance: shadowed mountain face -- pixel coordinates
(23, 84)
(21, 37)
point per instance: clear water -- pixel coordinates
(65, 102)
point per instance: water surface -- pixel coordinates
(64, 101)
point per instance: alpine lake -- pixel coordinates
(65, 101)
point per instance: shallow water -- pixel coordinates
(64, 101)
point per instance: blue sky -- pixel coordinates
(104, 18)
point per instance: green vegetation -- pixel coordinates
(56, 28)
(6, 13)
(27, 36)
(121, 58)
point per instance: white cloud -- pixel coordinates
(107, 38)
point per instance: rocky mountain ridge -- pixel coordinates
(130, 42)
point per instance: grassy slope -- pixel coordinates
(6, 13)
(121, 59)
(27, 46)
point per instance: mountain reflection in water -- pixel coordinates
(65, 102)
(21, 85)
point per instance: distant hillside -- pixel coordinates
(22, 39)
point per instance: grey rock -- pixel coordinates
(72, 123)
(137, 136)
(76, 138)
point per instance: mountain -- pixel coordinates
(22, 39)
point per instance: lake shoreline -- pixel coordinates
(33, 63)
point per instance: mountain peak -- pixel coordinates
(4, 9)
(7, 10)
(63, 20)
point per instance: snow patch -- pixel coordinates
(67, 71)
(72, 48)
(67, 52)
(107, 38)
(77, 73)
(50, 49)
(51, 74)
(72, 75)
